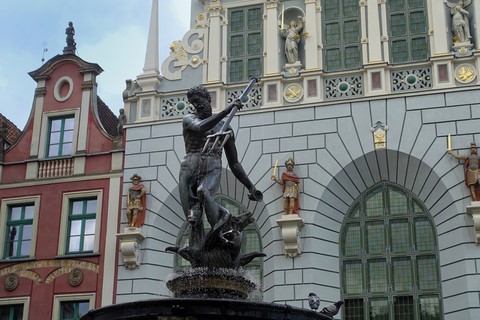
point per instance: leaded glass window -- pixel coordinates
(389, 258)
(341, 34)
(18, 238)
(251, 240)
(408, 26)
(60, 136)
(245, 43)
(81, 225)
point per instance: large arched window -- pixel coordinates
(389, 258)
(251, 239)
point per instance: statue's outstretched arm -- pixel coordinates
(238, 171)
(456, 155)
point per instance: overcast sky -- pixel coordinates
(112, 33)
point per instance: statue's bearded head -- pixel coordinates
(200, 98)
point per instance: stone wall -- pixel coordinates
(334, 150)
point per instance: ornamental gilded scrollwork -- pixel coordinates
(183, 54)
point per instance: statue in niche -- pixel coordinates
(292, 39)
(206, 136)
(472, 170)
(290, 186)
(136, 202)
(460, 23)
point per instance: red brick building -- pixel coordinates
(60, 187)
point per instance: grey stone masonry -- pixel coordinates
(336, 159)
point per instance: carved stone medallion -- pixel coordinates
(293, 92)
(465, 73)
(11, 281)
(75, 277)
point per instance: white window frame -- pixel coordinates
(47, 116)
(18, 300)
(58, 299)
(6, 203)
(67, 197)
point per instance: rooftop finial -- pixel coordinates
(71, 45)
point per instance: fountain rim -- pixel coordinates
(202, 309)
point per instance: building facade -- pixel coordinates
(59, 198)
(366, 97)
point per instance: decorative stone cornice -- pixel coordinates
(271, 4)
(40, 92)
(88, 85)
(26, 269)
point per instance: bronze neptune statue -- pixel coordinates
(206, 137)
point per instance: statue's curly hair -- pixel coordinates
(199, 90)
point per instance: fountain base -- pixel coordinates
(206, 283)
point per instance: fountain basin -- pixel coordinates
(201, 309)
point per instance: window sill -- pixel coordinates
(16, 260)
(78, 255)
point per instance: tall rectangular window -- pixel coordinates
(245, 43)
(60, 136)
(81, 225)
(341, 35)
(73, 310)
(18, 235)
(407, 21)
(11, 312)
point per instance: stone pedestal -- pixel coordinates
(462, 49)
(291, 69)
(290, 227)
(474, 211)
(130, 241)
